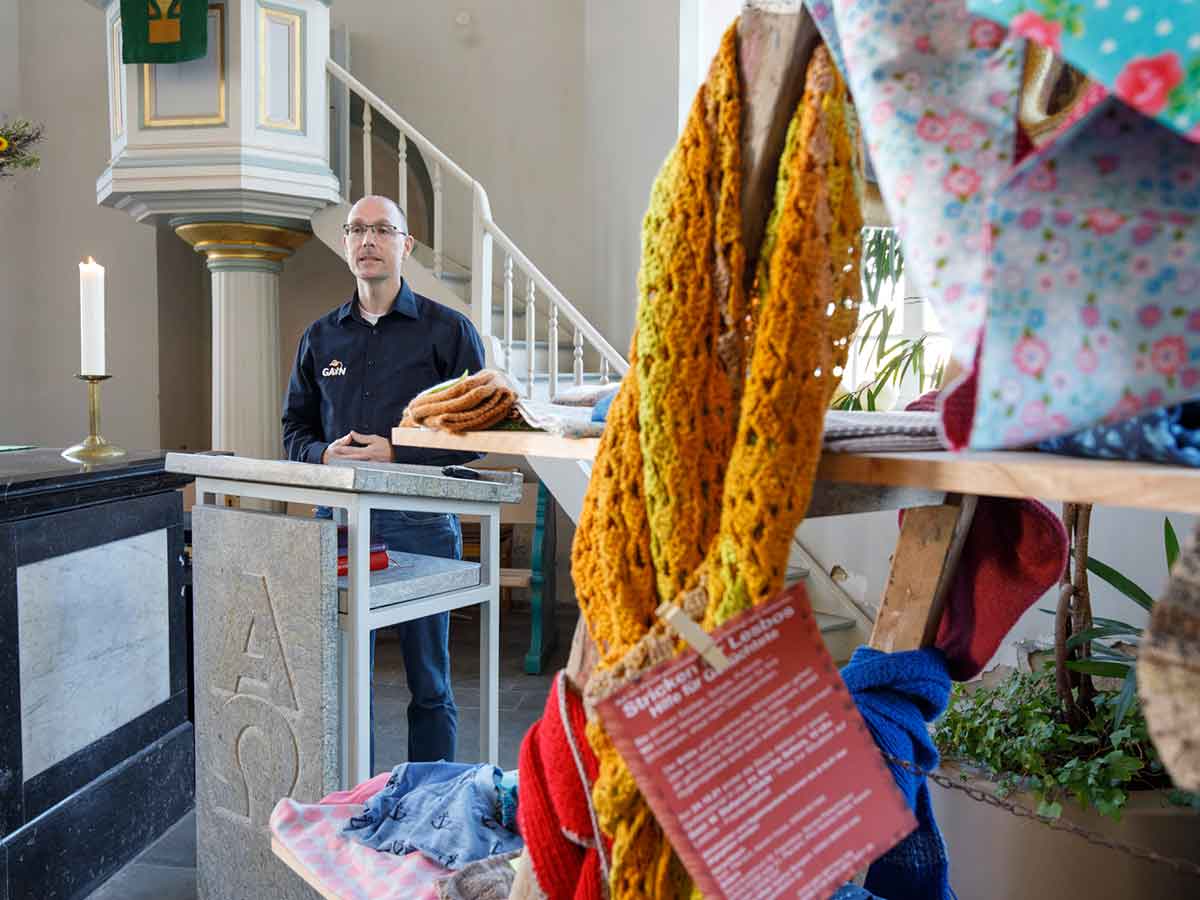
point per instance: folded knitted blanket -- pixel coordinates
(881, 432)
(470, 403)
(484, 879)
(710, 450)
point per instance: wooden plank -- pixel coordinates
(511, 443)
(993, 474)
(831, 499)
(289, 859)
(775, 42)
(930, 543)
(515, 578)
(1024, 474)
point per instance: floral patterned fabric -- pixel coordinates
(1094, 315)
(1071, 283)
(1147, 53)
(937, 96)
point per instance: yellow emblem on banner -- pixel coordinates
(164, 26)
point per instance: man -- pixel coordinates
(356, 369)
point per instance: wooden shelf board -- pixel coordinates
(513, 443)
(996, 473)
(1024, 474)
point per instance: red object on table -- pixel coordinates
(379, 560)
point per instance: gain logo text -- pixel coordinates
(335, 367)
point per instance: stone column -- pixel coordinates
(245, 260)
(266, 655)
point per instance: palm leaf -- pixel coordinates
(1126, 698)
(1171, 542)
(1120, 582)
(1095, 667)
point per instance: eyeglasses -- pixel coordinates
(383, 230)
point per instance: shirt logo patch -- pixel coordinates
(335, 367)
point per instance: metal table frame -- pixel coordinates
(359, 620)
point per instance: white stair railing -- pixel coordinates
(486, 240)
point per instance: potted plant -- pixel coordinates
(1068, 741)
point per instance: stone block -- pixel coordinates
(411, 576)
(94, 644)
(266, 657)
(397, 479)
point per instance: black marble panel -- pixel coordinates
(78, 844)
(64, 778)
(43, 537)
(34, 482)
(3, 873)
(11, 770)
(177, 604)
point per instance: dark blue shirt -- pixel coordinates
(351, 375)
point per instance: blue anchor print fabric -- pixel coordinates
(1169, 436)
(450, 812)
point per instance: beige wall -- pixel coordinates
(14, 247)
(54, 70)
(184, 345)
(632, 74)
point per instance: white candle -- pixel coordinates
(91, 318)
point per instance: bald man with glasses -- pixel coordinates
(356, 369)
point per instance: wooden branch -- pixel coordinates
(775, 42)
(931, 541)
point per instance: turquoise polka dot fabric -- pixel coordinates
(1147, 53)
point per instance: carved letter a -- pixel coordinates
(252, 659)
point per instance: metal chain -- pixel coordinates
(1184, 866)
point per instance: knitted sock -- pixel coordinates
(1014, 553)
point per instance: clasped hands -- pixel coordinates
(373, 447)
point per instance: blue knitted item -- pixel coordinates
(600, 410)
(898, 694)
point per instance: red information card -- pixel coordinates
(763, 776)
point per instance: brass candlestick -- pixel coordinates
(94, 448)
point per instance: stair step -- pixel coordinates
(828, 622)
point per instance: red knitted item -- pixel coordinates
(554, 813)
(957, 407)
(1014, 553)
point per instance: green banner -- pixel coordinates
(164, 31)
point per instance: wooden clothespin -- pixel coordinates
(693, 635)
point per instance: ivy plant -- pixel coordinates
(1014, 729)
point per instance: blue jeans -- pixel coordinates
(425, 643)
